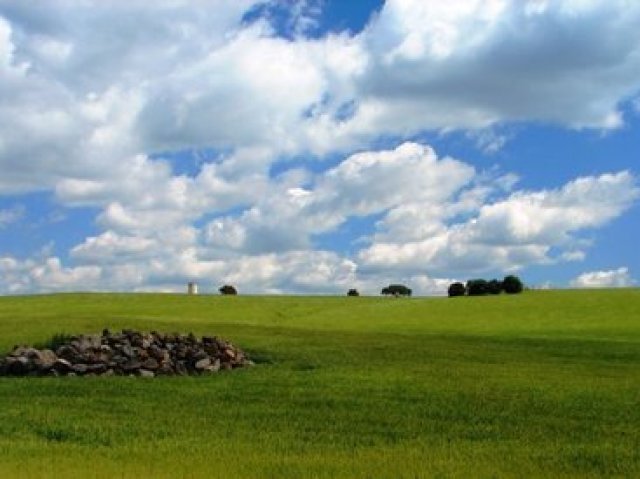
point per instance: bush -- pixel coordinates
(396, 290)
(456, 289)
(494, 286)
(227, 289)
(512, 285)
(353, 292)
(477, 287)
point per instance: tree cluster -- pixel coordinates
(481, 287)
(396, 290)
(227, 289)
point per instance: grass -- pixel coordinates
(544, 384)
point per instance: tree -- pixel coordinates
(512, 285)
(494, 286)
(477, 287)
(353, 292)
(396, 290)
(227, 289)
(456, 289)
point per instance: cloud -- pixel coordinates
(430, 218)
(46, 275)
(473, 64)
(615, 278)
(88, 89)
(364, 184)
(98, 95)
(11, 215)
(511, 233)
(311, 272)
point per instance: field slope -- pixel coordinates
(545, 384)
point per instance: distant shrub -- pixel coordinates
(494, 286)
(227, 289)
(456, 289)
(396, 290)
(512, 285)
(477, 287)
(353, 292)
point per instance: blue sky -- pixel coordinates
(314, 146)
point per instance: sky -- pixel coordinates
(313, 146)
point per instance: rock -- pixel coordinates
(18, 351)
(180, 368)
(79, 368)
(165, 370)
(203, 364)
(229, 353)
(66, 351)
(214, 367)
(45, 360)
(145, 373)
(131, 366)
(150, 363)
(156, 352)
(62, 365)
(18, 366)
(99, 368)
(128, 351)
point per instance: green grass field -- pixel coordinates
(544, 384)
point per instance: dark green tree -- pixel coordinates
(227, 289)
(456, 289)
(494, 286)
(512, 284)
(353, 292)
(477, 287)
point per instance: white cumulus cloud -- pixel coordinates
(614, 278)
(511, 233)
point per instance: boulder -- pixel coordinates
(203, 364)
(62, 366)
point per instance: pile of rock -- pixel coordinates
(127, 353)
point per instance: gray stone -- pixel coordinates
(67, 352)
(150, 363)
(214, 367)
(203, 364)
(181, 368)
(62, 365)
(99, 368)
(131, 366)
(18, 366)
(80, 368)
(128, 351)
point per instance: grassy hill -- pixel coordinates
(543, 384)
